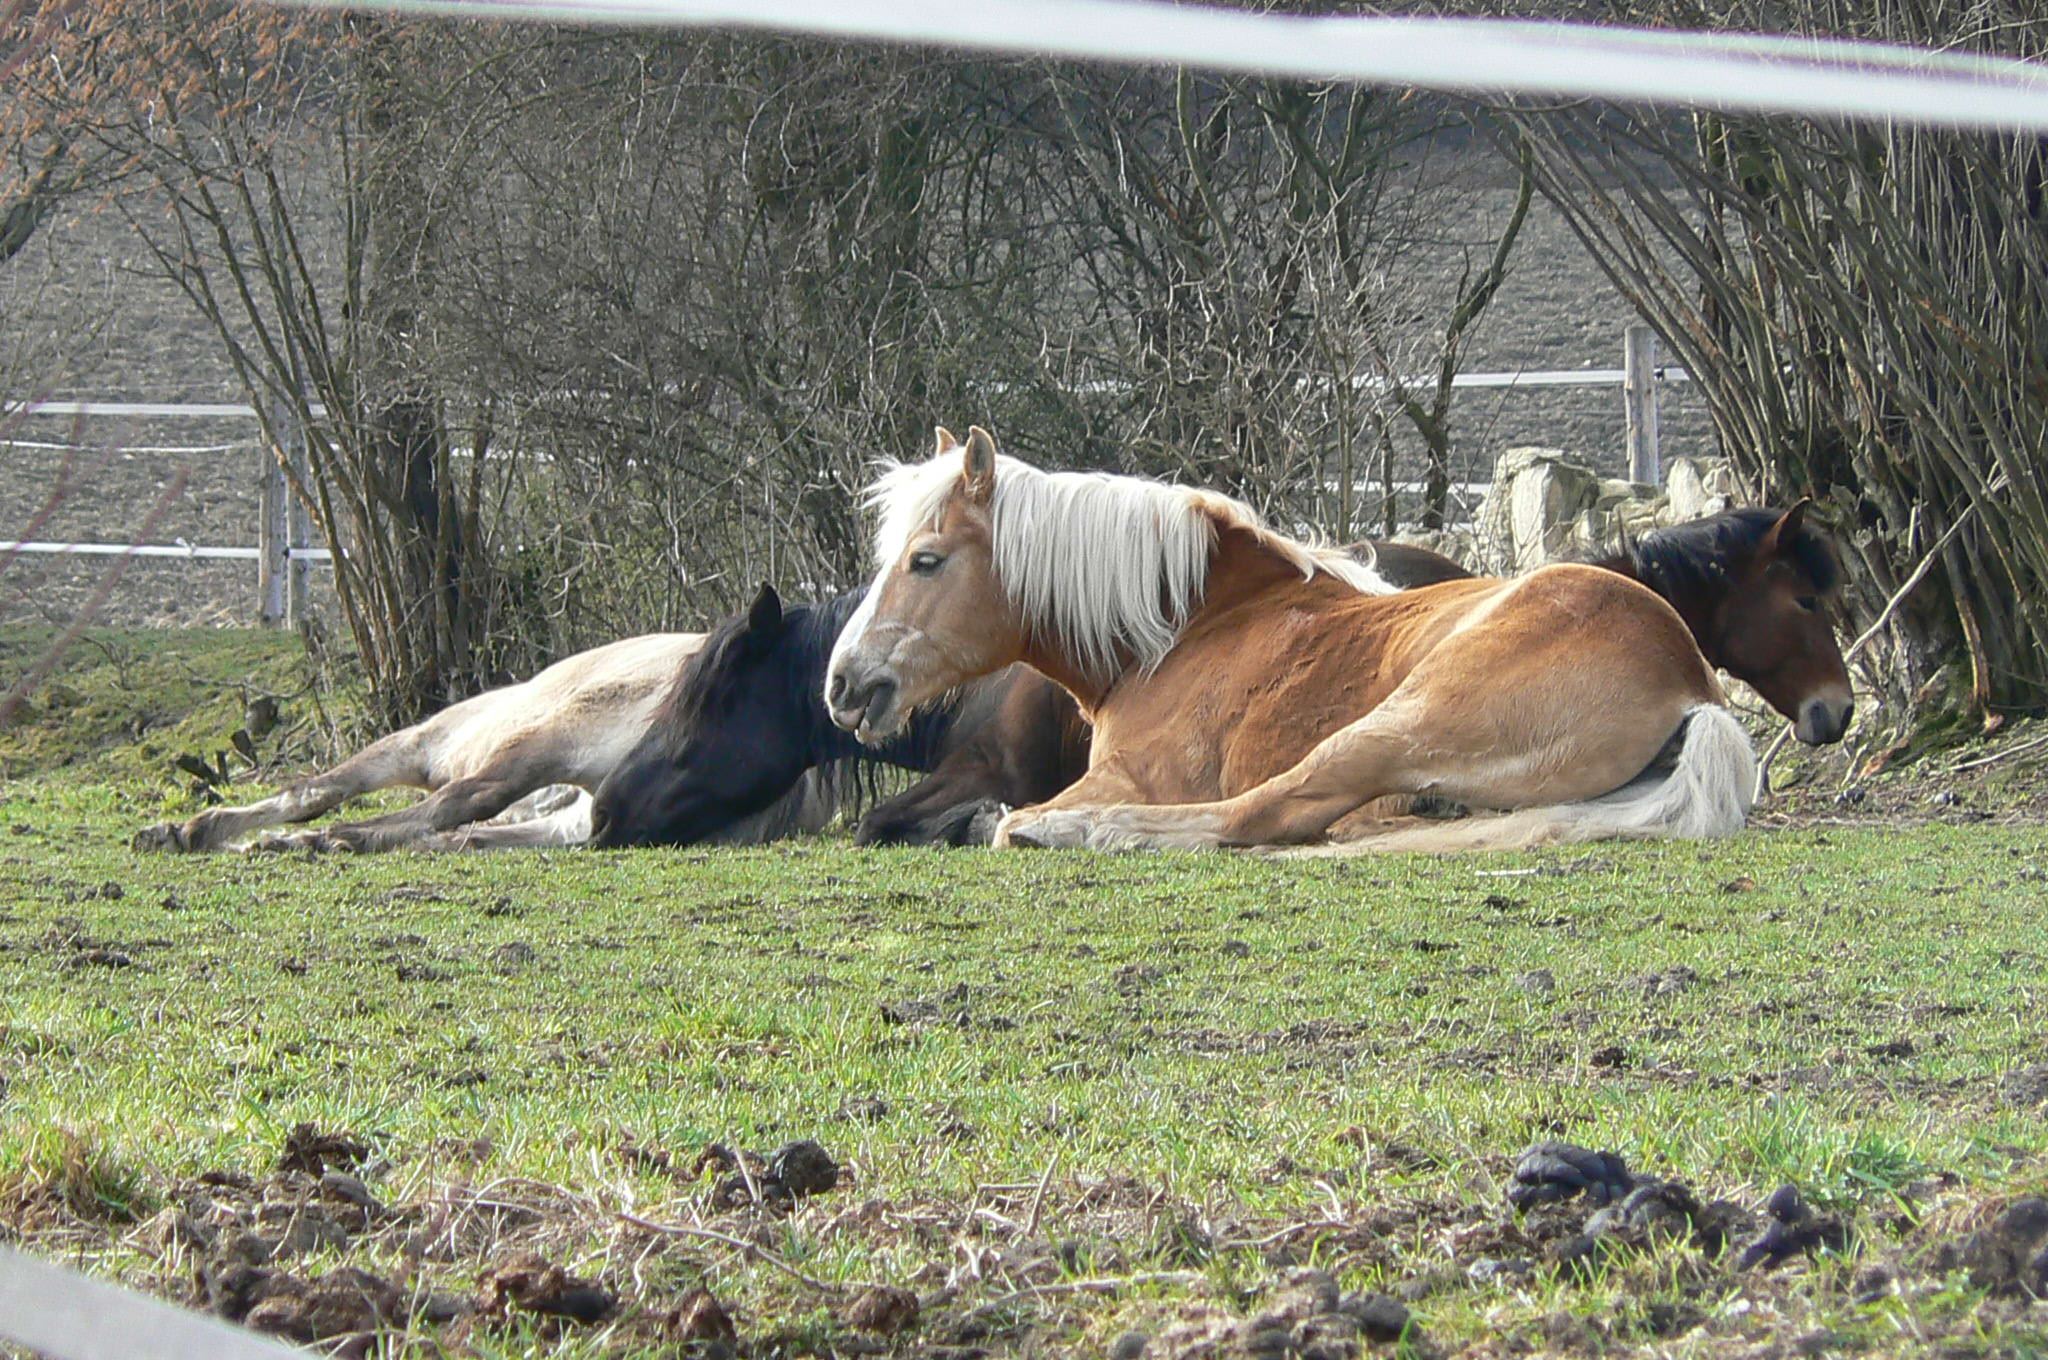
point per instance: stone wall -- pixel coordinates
(1543, 507)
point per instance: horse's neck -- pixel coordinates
(1697, 613)
(1241, 570)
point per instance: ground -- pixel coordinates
(809, 1100)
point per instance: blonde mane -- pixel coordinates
(1100, 563)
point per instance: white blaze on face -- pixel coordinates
(854, 633)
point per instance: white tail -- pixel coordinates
(1706, 792)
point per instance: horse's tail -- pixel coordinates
(1703, 790)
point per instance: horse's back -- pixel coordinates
(1282, 672)
(576, 718)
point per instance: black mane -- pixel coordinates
(809, 630)
(802, 650)
(1698, 558)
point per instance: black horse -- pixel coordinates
(745, 721)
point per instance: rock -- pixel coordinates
(700, 1317)
(1380, 1317)
(1537, 494)
(313, 1152)
(2026, 1089)
(349, 1189)
(1129, 1346)
(1652, 1208)
(2010, 1255)
(530, 1283)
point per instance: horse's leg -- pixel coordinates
(456, 803)
(568, 824)
(1572, 724)
(1384, 752)
(396, 759)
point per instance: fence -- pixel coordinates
(285, 555)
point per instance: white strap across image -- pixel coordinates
(69, 1316)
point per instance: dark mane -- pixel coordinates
(1688, 560)
(711, 675)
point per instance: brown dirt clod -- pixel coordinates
(882, 1308)
(700, 1317)
(530, 1283)
(309, 1150)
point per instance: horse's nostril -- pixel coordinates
(835, 694)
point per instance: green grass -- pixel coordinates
(1215, 1064)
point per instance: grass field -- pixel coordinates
(1202, 1105)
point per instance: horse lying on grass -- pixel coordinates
(571, 726)
(1246, 689)
(746, 719)
(743, 724)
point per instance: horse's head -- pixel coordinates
(1771, 627)
(728, 741)
(936, 615)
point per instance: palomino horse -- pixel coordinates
(1247, 689)
(569, 725)
(743, 723)
(1752, 584)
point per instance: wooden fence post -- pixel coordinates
(1639, 402)
(282, 569)
(273, 536)
(298, 524)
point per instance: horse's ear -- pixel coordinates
(766, 614)
(948, 441)
(980, 466)
(1786, 530)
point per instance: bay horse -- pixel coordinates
(1752, 584)
(569, 725)
(743, 723)
(1248, 689)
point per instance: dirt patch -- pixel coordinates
(2000, 781)
(308, 1257)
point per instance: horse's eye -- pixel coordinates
(926, 563)
(1810, 603)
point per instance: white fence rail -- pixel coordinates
(285, 554)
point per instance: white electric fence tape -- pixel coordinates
(1759, 72)
(68, 1316)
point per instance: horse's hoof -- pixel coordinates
(981, 828)
(163, 836)
(1042, 831)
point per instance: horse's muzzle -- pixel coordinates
(865, 707)
(1822, 723)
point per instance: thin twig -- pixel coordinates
(1998, 755)
(740, 1244)
(1108, 1285)
(1038, 1200)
